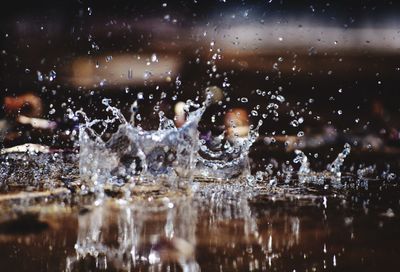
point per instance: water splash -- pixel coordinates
(333, 173)
(135, 155)
(225, 159)
(171, 155)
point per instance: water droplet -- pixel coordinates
(280, 98)
(147, 74)
(178, 82)
(154, 58)
(391, 176)
(294, 123)
(52, 75)
(39, 76)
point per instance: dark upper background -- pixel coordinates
(344, 55)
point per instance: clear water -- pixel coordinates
(170, 155)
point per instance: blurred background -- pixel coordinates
(316, 72)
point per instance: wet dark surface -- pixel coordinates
(217, 227)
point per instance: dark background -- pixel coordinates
(51, 35)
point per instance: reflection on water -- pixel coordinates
(283, 225)
(161, 234)
(125, 236)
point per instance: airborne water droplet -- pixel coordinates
(294, 123)
(52, 75)
(280, 98)
(39, 76)
(154, 58)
